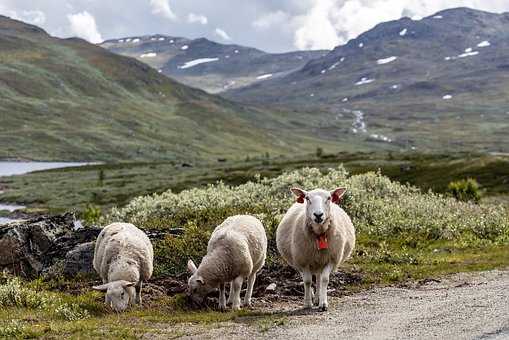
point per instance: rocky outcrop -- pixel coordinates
(35, 246)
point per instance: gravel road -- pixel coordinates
(462, 306)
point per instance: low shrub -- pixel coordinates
(465, 190)
(380, 209)
(15, 293)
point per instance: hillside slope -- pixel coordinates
(66, 99)
(440, 83)
(208, 65)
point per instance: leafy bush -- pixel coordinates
(13, 293)
(91, 214)
(380, 209)
(465, 190)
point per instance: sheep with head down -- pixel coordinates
(236, 252)
(314, 237)
(123, 258)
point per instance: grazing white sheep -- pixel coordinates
(314, 237)
(123, 258)
(236, 251)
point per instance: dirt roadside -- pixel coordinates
(462, 306)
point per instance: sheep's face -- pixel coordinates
(118, 294)
(318, 205)
(197, 289)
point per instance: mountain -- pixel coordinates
(66, 99)
(440, 83)
(208, 65)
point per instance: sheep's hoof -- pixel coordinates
(222, 308)
(323, 308)
(308, 305)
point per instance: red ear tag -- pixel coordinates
(322, 242)
(300, 199)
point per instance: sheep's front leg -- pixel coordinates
(230, 296)
(222, 297)
(138, 292)
(316, 296)
(249, 291)
(324, 283)
(237, 285)
(307, 277)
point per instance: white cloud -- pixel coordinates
(83, 25)
(162, 7)
(271, 19)
(197, 18)
(222, 34)
(34, 17)
(329, 23)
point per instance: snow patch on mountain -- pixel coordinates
(195, 62)
(364, 81)
(148, 55)
(264, 76)
(386, 60)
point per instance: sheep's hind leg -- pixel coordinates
(324, 283)
(222, 297)
(138, 292)
(249, 292)
(237, 285)
(307, 277)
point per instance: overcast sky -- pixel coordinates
(271, 25)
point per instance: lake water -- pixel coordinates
(5, 220)
(11, 207)
(20, 168)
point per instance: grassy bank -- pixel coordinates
(115, 184)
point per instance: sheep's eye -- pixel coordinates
(328, 198)
(122, 295)
(307, 199)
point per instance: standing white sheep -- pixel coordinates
(314, 237)
(236, 251)
(123, 258)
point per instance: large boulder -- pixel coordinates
(29, 248)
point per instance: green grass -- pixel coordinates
(164, 317)
(74, 188)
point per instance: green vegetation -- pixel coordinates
(396, 224)
(465, 190)
(76, 188)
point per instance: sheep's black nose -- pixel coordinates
(318, 216)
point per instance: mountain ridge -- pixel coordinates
(66, 99)
(207, 64)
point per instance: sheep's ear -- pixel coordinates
(101, 288)
(127, 283)
(337, 194)
(299, 193)
(191, 267)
